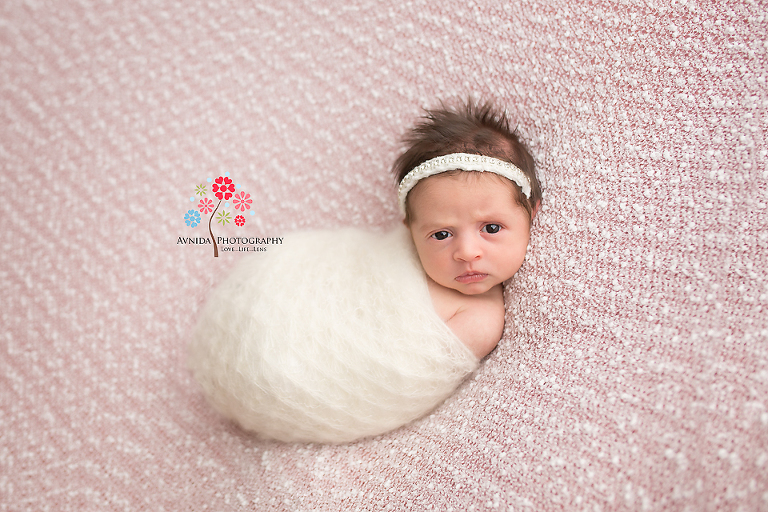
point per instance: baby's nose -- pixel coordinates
(468, 249)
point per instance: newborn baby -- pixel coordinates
(339, 335)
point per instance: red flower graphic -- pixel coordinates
(223, 187)
(239, 220)
(205, 206)
(242, 201)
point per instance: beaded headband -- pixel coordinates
(461, 162)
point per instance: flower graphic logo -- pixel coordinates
(192, 218)
(242, 201)
(223, 188)
(205, 205)
(223, 218)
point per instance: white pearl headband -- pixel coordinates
(461, 162)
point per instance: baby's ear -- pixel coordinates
(535, 209)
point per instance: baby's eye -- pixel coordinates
(440, 235)
(491, 228)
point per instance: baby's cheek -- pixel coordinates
(437, 271)
(426, 259)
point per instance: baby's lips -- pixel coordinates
(471, 277)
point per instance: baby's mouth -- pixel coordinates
(471, 277)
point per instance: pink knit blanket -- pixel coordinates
(633, 372)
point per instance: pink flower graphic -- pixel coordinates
(242, 201)
(223, 187)
(205, 206)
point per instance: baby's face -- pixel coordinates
(469, 232)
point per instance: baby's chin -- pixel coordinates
(472, 289)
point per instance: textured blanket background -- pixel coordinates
(633, 374)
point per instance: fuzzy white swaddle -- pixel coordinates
(330, 337)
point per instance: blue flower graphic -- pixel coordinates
(192, 218)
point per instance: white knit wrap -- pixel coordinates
(330, 337)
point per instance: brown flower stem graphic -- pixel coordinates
(213, 239)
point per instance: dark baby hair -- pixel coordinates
(470, 127)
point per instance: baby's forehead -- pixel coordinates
(454, 192)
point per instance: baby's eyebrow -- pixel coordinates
(434, 226)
